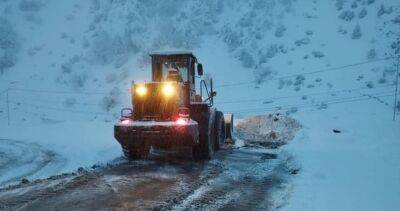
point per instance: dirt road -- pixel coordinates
(247, 177)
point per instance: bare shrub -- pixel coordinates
(383, 10)
(246, 58)
(356, 33)
(362, 13)
(9, 45)
(371, 54)
(262, 74)
(318, 54)
(30, 5)
(112, 100)
(280, 30)
(303, 41)
(347, 15)
(79, 80)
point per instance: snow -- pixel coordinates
(357, 169)
(267, 130)
(68, 67)
(72, 145)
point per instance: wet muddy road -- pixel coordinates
(241, 178)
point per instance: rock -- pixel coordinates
(294, 171)
(81, 170)
(24, 181)
(336, 131)
(370, 84)
(95, 166)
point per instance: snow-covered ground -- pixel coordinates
(357, 169)
(67, 66)
(42, 150)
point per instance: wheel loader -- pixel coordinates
(175, 109)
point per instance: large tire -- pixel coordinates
(205, 149)
(136, 153)
(219, 130)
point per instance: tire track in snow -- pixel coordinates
(19, 159)
(247, 182)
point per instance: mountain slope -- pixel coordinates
(68, 65)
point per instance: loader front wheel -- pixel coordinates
(205, 149)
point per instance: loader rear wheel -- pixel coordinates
(205, 149)
(219, 130)
(136, 153)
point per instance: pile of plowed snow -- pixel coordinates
(272, 130)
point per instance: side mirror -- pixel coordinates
(214, 93)
(200, 69)
(126, 113)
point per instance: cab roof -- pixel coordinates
(172, 53)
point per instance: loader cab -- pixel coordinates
(184, 62)
(179, 67)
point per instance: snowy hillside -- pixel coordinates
(100, 46)
(66, 69)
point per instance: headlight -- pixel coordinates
(168, 90)
(141, 90)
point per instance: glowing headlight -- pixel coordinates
(168, 90)
(141, 90)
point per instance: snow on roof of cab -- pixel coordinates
(170, 53)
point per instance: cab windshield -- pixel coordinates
(181, 67)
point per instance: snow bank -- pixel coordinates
(271, 130)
